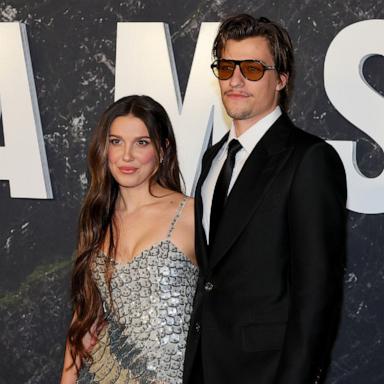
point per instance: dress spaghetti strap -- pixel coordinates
(177, 215)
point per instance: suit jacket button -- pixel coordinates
(208, 286)
(197, 327)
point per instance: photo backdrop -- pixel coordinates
(73, 53)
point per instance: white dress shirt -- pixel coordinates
(248, 140)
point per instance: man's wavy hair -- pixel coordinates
(243, 26)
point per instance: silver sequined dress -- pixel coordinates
(144, 338)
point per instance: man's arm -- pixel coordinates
(316, 220)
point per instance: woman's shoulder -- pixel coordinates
(173, 198)
(187, 214)
(189, 204)
(170, 205)
(180, 203)
(185, 202)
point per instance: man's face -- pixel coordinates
(249, 101)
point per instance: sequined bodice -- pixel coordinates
(151, 306)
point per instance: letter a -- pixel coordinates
(22, 158)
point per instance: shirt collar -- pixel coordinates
(254, 133)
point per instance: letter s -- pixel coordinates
(361, 105)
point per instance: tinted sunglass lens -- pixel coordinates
(252, 70)
(225, 69)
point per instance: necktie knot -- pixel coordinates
(233, 147)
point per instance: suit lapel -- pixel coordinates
(200, 236)
(258, 173)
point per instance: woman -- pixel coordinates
(134, 276)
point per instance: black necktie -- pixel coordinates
(221, 188)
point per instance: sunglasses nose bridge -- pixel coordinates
(240, 70)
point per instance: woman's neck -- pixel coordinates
(130, 199)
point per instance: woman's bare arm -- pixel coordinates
(69, 374)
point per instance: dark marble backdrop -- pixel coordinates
(72, 46)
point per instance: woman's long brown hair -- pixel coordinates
(97, 212)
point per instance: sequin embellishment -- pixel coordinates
(145, 336)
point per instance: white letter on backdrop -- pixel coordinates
(145, 65)
(361, 105)
(22, 160)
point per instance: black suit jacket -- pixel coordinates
(270, 287)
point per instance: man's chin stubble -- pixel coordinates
(239, 115)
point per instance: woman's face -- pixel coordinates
(132, 158)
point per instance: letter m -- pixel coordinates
(145, 65)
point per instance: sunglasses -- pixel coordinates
(251, 69)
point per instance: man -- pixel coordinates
(270, 222)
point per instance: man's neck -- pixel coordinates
(242, 126)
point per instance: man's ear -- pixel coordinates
(283, 80)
